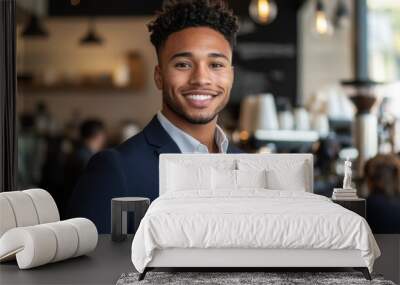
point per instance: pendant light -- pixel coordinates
(91, 37)
(34, 27)
(263, 11)
(342, 15)
(322, 24)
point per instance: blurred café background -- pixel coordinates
(319, 76)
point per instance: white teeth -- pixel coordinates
(199, 97)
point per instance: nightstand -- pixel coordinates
(358, 206)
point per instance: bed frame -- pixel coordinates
(259, 259)
(249, 259)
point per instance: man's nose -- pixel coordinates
(200, 75)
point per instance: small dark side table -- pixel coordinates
(358, 206)
(119, 218)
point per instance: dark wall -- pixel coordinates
(266, 58)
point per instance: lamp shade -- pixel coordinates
(34, 28)
(91, 38)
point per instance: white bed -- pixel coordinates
(202, 220)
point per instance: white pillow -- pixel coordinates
(278, 180)
(224, 179)
(235, 179)
(183, 177)
(251, 178)
(282, 174)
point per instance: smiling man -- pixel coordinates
(194, 42)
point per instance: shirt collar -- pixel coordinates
(187, 143)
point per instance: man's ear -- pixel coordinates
(158, 77)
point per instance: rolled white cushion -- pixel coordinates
(7, 218)
(67, 240)
(37, 245)
(33, 246)
(45, 205)
(87, 235)
(23, 208)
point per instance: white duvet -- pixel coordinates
(250, 219)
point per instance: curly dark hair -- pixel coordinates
(177, 15)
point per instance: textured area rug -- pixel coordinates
(229, 278)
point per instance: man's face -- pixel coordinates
(97, 142)
(195, 74)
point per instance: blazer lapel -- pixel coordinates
(159, 138)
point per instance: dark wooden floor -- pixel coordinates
(110, 260)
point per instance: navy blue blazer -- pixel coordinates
(130, 169)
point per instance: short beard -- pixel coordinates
(181, 113)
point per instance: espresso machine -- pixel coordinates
(363, 94)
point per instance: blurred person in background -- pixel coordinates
(92, 139)
(31, 148)
(43, 119)
(72, 128)
(383, 202)
(53, 167)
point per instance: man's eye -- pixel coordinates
(182, 65)
(217, 65)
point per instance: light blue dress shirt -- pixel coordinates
(187, 143)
